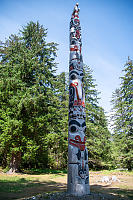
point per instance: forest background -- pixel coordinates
(34, 109)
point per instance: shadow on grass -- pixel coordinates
(112, 193)
(23, 188)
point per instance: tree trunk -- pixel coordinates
(15, 163)
(129, 165)
(4, 160)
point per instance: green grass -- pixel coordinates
(117, 171)
(16, 184)
(21, 186)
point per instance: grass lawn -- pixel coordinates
(19, 186)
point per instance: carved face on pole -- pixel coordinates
(78, 173)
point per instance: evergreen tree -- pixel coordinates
(123, 117)
(34, 106)
(57, 142)
(27, 103)
(98, 135)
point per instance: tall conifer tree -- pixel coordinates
(123, 117)
(27, 69)
(97, 133)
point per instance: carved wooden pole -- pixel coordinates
(78, 171)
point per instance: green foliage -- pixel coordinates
(34, 106)
(98, 135)
(27, 95)
(123, 118)
(57, 141)
(46, 171)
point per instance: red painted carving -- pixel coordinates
(77, 102)
(78, 143)
(71, 68)
(75, 48)
(77, 34)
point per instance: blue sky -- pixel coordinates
(107, 34)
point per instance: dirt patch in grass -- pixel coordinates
(123, 187)
(19, 186)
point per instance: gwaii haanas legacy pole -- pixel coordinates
(78, 171)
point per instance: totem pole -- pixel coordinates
(78, 171)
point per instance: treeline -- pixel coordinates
(34, 109)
